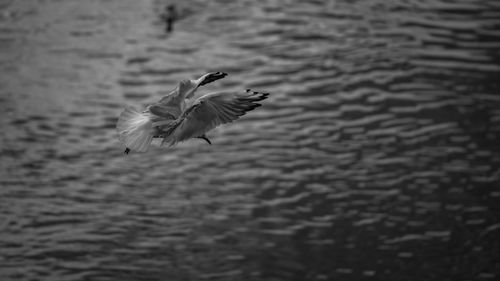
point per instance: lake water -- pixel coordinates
(377, 155)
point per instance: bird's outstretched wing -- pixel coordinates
(187, 88)
(210, 111)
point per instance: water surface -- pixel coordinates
(376, 156)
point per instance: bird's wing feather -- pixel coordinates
(176, 97)
(187, 88)
(212, 110)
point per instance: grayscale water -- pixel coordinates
(377, 155)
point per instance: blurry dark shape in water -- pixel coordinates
(169, 16)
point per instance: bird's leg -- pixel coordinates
(205, 138)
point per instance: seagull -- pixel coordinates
(180, 116)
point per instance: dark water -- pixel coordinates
(376, 157)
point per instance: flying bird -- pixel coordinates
(180, 116)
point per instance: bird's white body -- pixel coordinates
(178, 116)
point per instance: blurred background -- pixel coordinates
(376, 156)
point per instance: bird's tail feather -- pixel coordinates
(135, 129)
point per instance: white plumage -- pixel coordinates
(135, 129)
(178, 116)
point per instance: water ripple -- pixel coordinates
(379, 137)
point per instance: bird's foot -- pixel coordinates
(205, 138)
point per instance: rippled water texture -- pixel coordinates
(376, 156)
